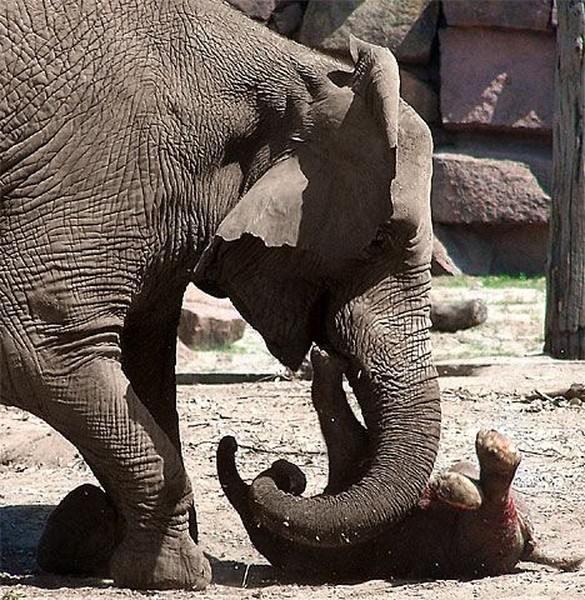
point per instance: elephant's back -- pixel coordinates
(56, 66)
(70, 117)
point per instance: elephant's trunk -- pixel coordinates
(385, 334)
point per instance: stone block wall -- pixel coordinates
(481, 73)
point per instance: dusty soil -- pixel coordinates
(272, 420)
(550, 434)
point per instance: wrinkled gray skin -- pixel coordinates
(145, 145)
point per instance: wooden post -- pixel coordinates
(565, 303)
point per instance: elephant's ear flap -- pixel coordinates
(272, 209)
(268, 216)
(377, 79)
(254, 260)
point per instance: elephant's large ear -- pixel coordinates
(315, 209)
(331, 195)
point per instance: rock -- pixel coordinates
(287, 17)
(467, 248)
(407, 27)
(455, 316)
(420, 95)
(208, 322)
(255, 9)
(497, 79)
(482, 250)
(494, 190)
(39, 449)
(509, 14)
(576, 391)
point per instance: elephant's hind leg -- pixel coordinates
(96, 408)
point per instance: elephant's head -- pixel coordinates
(333, 244)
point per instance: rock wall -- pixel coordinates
(481, 73)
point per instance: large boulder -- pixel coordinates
(497, 79)
(493, 190)
(420, 95)
(512, 14)
(407, 27)
(208, 322)
(485, 250)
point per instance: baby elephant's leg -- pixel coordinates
(498, 462)
(346, 439)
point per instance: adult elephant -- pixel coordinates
(146, 145)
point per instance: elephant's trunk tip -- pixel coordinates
(228, 446)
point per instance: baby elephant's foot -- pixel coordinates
(168, 562)
(496, 453)
(456, 490)
(80, 535)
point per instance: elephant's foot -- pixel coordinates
(80, 535)
(496, 453)
(498, 461)
(169, 562)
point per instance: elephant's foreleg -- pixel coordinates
(149, 343)
(96, 408)
(345, 437)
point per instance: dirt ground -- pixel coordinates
(33, 478)
(274, 420)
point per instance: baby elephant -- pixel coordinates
(468, 522)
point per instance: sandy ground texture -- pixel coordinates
(273, 420)
(498, 367)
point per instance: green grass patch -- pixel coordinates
(491, 281)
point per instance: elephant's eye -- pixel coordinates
(379, 243)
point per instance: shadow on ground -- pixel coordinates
(237, 574)
(20, 530)
(22, 526)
